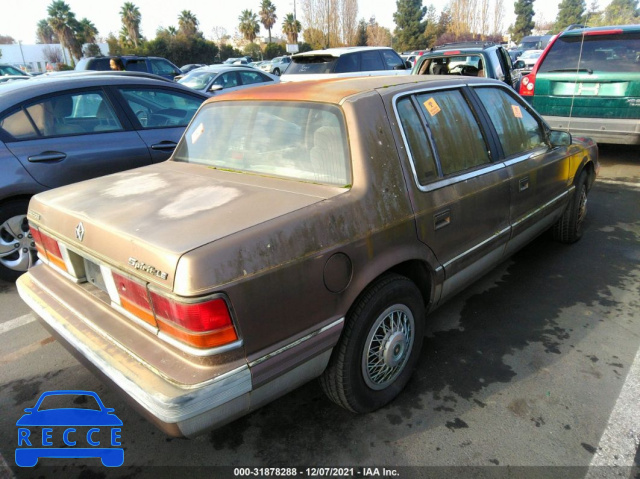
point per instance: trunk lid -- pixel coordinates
(142, 221)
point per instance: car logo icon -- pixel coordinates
(80, 231)
(81, 429)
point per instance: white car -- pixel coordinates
(528, 59)
(345, 62)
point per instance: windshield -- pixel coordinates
(302, 141)
(312, 64)
(603, 53)
(197, 80)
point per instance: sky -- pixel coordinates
(20, 22)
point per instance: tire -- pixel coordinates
(379, 346)
(276, 72)
(569, 227)
(17, 249)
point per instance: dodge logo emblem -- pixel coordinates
(80, 231)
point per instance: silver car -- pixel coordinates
(226, 78)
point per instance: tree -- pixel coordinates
(498, 17)
(130, 15)
(621, 12)
(524, 20)
(62, 21)
(431, 30)
(410, 28)
(249, 27)
(291, 28)
(87, 31)
(6, 40)
(44, 33)
(92, 50)
(268, 15)
(360, 39)
(187, 23)
(314, 37)
(378, 36)
(348, 20)
(569, 12)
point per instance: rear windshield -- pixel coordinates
(467, 65)
(603, 53)
(312, 64)
(302, 141)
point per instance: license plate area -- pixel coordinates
(94, 275)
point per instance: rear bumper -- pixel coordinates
(601, 130)
(178, 409)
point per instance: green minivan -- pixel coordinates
(587, 82)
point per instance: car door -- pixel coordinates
(72, 136)
(539, 174)
(229, 81)
(460, 195)
(160, 115)
(253, 78)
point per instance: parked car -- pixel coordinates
(10, 78)
(527, 60)
(324, 220)
(468, 59)
(156, 65)
(345, 62)
(226, 78)
(535, 42)
(59, 130)
(191, 66)
(277, 66)
(10, 70)
(236, 61)
(587, 82)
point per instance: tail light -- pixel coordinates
(134, 298)
(203, 325)
(527, 84)
(48, 248)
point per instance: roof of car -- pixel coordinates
(336, 90)
(15, 92)
(223, 67)
(594, 30)
(468, 46)
(336, 52)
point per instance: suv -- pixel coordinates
(345, 62)
(468, 59)
(587, 82)
(156, 65)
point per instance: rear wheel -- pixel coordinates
(379, 346)
(17, 249)
(569, 227)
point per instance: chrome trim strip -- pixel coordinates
(461, 178)
(516, 160)
(541, 208)
(188, 402)
(479, 245)
(196, 351)
(297, 342)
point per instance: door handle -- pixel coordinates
(48, 156)
(523, 184)
(164, 146)
(442, 219)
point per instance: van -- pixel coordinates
(587, 82)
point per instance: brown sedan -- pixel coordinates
(298, 231)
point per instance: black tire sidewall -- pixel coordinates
(398, 290)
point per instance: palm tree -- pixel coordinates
(268, 15)
(249, 26)
(172, 31)
(44, 33)
(130, 15)
(62, 20)
(87, 31)
(187, 23)
(291, 27)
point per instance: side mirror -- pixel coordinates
(519, 65)
(559, 138)
(408, 65)
(215, 88)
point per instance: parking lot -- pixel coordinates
(535, 367)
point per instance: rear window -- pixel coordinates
(312, 64)
(604, 53)
(304, 142)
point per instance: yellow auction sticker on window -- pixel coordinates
(517, 112)
(432, 107)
